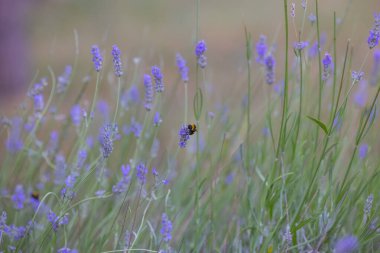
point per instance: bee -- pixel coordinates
(192, 128)
(35, 195)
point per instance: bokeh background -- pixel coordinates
(38, 33)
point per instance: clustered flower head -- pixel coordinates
(183, 69)
(148, 92)
(157, 75)
(292, 10)
(57, 221)
(64, 79)
(269, 66)
(166, 228)
(347, 244)
(116, 58)
(97, 58)
(141, 172)
(357, 76)
(326, 61)
(184, 136)
(374, 33)
(200, 50)
(106, 138)
(261, 49)
(121, 186)
(300, 45)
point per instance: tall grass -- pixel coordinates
(111, 177)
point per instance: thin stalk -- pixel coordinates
(319, 76)
(117, 100)
(285, 99)
(248, 57)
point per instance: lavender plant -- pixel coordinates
(296, 171)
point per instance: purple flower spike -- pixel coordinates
(183, 69)
(166, 228)
(97, 58)
(157, 75)
(261, 49)
(116, 54)
(184, 136)
(148, 92)
(346, 244)
(270, 65)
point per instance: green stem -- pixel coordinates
(319, 76)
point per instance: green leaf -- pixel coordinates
(319, 123)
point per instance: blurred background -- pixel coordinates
(38, 33)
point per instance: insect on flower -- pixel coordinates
(192, 128)
(35, 195)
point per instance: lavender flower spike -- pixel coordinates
(148, 92)
(141, 173)
(326, 66)
(156, 72)
(166, 228)
(269, 66)
(346, 244)
(97, 58)
(261, 49)
(183, 69)
(184, 136)
(374, 33)
(116, 54)
(200, 50)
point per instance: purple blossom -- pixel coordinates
(97, 58)
(38, 101)
(346, 244)
(292, 10)
(76, 114)
(148, 92)
(18, 198)
(326, 61)
(261, 49)
(166, 228)
(368, 205)
(157, 75)
(312, 18)
(106, 138)
(135, 128)
(64, 79)
(56, 221)
(122, 185)
(270, 66)
(155, 172)
(200, 50)
(157, 119)
(184, 136)
(363, 150)
(374, 33)
(183, 69)
(300, 45)
(116, 58)
(141, 172)
(67, 250)
(357, 76)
